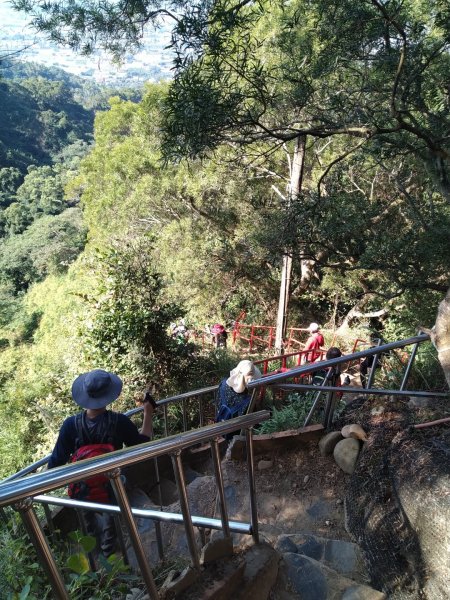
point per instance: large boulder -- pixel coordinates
(346, 454)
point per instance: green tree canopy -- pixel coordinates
(277, 70)
(48, 246)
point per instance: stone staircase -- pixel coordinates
(314, 568)
(296, 567)
(284, 566)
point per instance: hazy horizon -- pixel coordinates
(152, 62)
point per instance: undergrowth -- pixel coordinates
(291, 415)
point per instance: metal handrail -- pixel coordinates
(146, 513)
(278, 381)
(325, 364)
(159, 403)
(45, 481)
(21, 493)
(357, 390)
(267, 381)
(178, 398)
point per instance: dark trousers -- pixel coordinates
(102, 527)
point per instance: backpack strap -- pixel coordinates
(83, 437)
(104, 433)
(110, 426)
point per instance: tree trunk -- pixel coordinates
(295, 187)
(440, 335)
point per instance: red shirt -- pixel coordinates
(313, 343)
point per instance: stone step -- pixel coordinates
(249, 575)
(303, 578)
(341, 556)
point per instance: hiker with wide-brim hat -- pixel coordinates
(94, 431)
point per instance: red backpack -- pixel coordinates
(90, 444)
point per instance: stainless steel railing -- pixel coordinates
(22, 493)
(164, 403)
(278, 380)
(346, 358)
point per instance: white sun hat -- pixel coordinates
(313, 327)
(241, 375)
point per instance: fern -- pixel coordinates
(291, 416)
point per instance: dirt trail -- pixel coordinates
(301, 492)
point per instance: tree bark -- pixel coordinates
(295, 187)
(440, 335)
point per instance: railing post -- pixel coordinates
(45, 556)
(166, 427)
(183, 404)
(251, 484)
(270, 338)
(122, 546)
(48, 516)
(251, 404)
(184, 505)
(220, 487)
(312, 409)
(329, 405)
(373, 368)
(412, 357)
(235, 333)
(251, 338)
(316, 400)
(126, 514)
(158, 531)
(329, 410)
(201, 411)
(84, 531)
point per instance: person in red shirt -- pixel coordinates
(313, 344)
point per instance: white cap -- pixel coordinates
(313, 327)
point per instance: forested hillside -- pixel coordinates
(45, 130)
(289, 130)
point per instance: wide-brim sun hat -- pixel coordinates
(241, 375)
(96, 389)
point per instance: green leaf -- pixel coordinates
(104, 563)
(88, 543)
(25, 591)
(78, 563)
(75, 536)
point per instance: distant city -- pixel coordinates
(152, 63)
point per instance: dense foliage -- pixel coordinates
(181, 203)
(162, 236)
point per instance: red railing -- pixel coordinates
(294, 359)
(254, 335)
(359, 342)
(257, 337)
(263, 336)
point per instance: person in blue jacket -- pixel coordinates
(233, 395)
